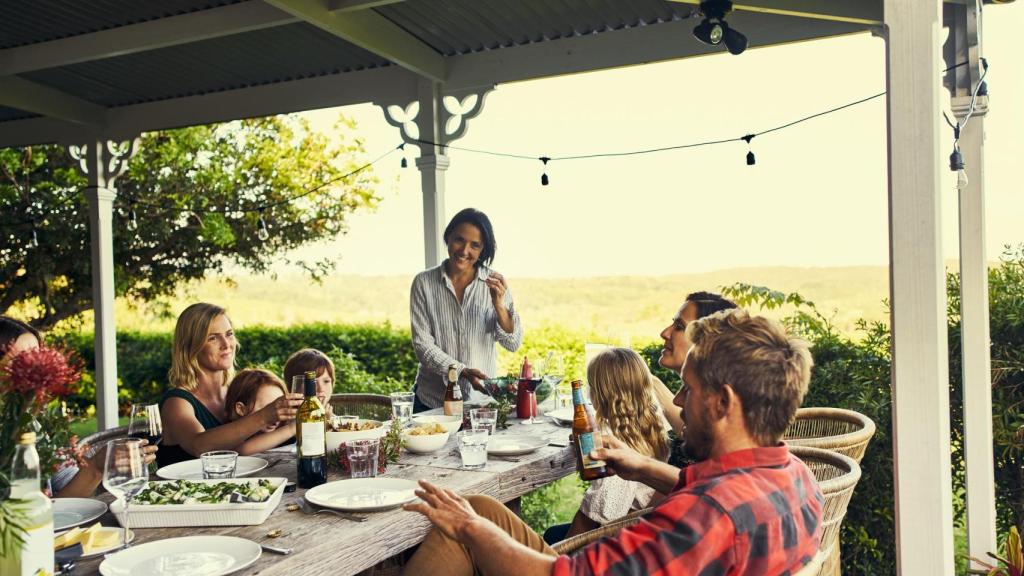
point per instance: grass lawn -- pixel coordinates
(87, 426)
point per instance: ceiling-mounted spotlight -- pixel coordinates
(713, 29)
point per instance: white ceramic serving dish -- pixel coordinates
(451, 423)
(227, 514)
(424, 443)
(334, 439)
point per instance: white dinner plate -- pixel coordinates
(101, 551)
(562, 415)
(188, 556)
(70, 512)
(193, 469)
(513, 445)
(363, 494)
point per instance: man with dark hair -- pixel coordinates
(747, 508)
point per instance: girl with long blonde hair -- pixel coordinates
(202, 364)
(626, 405)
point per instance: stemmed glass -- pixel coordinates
(531, 387)
(144, 423)
(125, 473)
(554, 373)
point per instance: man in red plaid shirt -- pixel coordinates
(748, 507)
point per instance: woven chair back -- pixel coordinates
(371, 406)
(843, 431)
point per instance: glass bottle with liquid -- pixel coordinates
(35, 554)
(587, 436)
(453, 394)
(311, 437)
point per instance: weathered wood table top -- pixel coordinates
(326, 544)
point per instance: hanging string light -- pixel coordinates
(544, 176)
(405, 163)
(956, 158)
(750, 153)
(34, 243)
(133, 221)
(263, 233)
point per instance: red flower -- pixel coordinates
(44, 373)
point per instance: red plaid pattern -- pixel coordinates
(755, 512)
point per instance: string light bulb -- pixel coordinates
(263, 233)
(751, 160)
(957, 164)
(544, 177)
(404, 163)
(34, 243)
(133, 222)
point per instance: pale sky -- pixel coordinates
(817, 196)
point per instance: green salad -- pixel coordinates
(188, 492)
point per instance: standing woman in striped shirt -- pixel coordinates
(459, 310)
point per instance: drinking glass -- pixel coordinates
(299, 384)
(401, 405)
(531, 388)
(484, 419)
(125, 473)
(473, 448)
(219, 464)
(144, 423)
(362, 457)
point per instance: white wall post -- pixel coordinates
(103, 162)
(974, 338)
(920, 379)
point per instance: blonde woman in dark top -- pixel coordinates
(202, 364)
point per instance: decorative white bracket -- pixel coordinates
(115, 159)
(454, 114)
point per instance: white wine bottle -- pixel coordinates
(453, 393)
(311, 437)
(34, 556)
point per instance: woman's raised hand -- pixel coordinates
(497, 285)
(283, 409)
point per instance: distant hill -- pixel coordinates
(632, 307)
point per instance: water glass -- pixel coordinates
(401, 406)
(299, 384)
(484, 418)
(362, 457)
(125, 473)
(473, 448)
(219, 464)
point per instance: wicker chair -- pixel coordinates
(843, 431)
(837, 475)
(100, 438)
(570, 545)
(371, 406)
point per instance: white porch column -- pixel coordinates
(974, 337)
(432, 120)
(103, 162)
(920, 380)
(432, 168)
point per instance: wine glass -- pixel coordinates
(531, 388)
(554, 373)
(144, 423)
(125, 472)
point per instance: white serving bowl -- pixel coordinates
(451, 423)
(334, 439)
(426, 443)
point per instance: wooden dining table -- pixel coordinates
(327, 544)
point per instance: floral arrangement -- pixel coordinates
(33, 386)
(390, 450)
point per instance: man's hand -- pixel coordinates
(621, 459)
(476, 378)
(447, 510)
(632, 465)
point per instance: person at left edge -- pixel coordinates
(459, 310)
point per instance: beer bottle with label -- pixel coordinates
(587, 436)
(310, 437)
(453, 395)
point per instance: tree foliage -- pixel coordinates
(197, 195)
